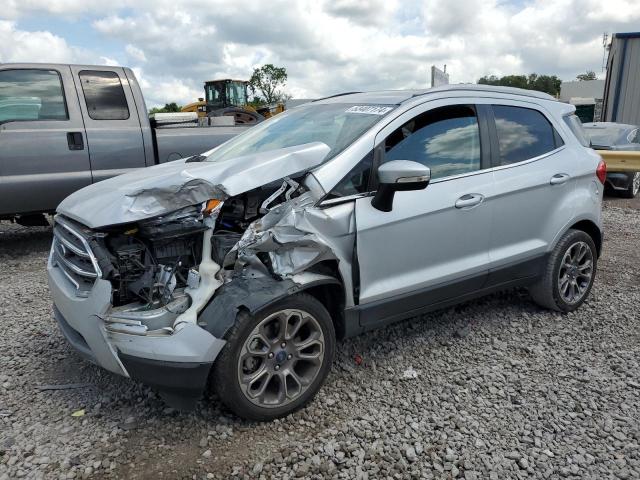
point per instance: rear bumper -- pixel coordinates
(619, 180)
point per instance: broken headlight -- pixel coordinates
(184, 221)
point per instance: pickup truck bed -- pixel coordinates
(63, 127)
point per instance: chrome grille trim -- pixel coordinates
(71, 252)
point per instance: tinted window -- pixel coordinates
(523, 133)
(31, 95)
(446, 139)
(104, 95)
(575, 124)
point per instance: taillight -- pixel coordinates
(601, 171)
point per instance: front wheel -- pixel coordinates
(569, 273)
(276, 361)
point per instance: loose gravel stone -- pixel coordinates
(503, 389)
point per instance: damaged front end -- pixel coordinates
(177, 281)
(165, 270)
(159, 293)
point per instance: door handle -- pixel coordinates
(469, 200)
(75, 141)
(559, 179)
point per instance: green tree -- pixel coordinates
(168, 108)
(544, 83)
(266, 84)
(588, 75)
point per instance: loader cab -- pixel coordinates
(225, 93)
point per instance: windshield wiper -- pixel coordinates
(196, 158)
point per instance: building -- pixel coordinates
(586, 95)
(622, 87)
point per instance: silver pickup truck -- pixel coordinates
(63, 127)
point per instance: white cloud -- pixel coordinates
(328, 46)
(21, 46)
(135, 53)
(112, 62)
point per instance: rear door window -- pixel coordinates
(104, 95)
(31, 94)
(523, 133)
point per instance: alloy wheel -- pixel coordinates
(281, 358)
(576, 272)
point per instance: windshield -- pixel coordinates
(236, 93)
(337, 125)
(605, 136)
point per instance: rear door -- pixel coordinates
(535, 181)
(43, 148)
(434, 244)
(113, 127)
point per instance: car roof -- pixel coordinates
(397, 97)
(621, 126)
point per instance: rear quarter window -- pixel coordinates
(575, 125)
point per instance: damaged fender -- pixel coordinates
(290, 241)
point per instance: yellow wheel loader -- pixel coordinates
(229, 98)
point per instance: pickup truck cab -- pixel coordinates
(63, 127)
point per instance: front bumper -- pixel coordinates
(176, 364)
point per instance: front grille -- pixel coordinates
(72, 254)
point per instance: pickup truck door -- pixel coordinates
(43, 148)
(114, 132)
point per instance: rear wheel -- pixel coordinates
(569, 273)
(634, 186)
(276, 361)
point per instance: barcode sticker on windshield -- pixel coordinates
(369, 109)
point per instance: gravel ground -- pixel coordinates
(495, 388)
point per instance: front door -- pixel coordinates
(43, 148)
(434, 244)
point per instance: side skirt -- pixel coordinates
(362, 318)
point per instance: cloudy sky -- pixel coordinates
(326, 46)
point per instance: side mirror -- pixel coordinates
(399, 176)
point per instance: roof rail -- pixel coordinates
(474, 87)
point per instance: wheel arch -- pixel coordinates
(590, 228)
(254, 294)
(331, 294)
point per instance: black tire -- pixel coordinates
(225, 379)
(546, 292)
(633, 188)
(242, 116)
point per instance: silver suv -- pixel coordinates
(237, 269)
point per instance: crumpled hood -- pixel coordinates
(152, 191)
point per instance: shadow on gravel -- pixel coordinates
(18, 241)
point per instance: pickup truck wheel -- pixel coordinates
(569, 273)
(276, 361)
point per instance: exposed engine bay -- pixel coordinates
(151, 263)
